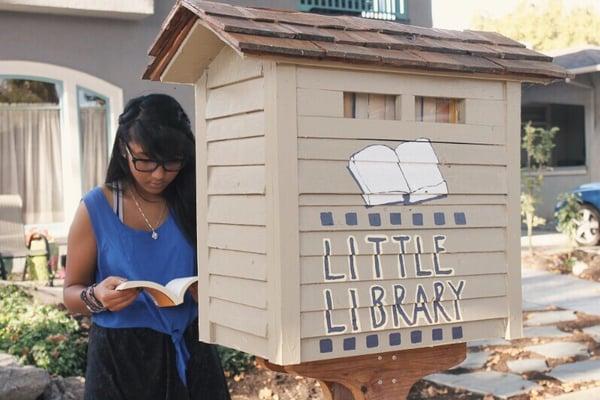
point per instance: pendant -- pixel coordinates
(154, 235)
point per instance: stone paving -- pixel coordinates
(499, 384)
(552, 358)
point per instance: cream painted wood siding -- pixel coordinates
(338, 278)
(294, 265)
(232, 204)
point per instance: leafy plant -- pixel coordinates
(566, 222)
(567, 215)
(538, 144)
(233, 361)
(547, 25)
(41, 335)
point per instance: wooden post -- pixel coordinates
(384, 376)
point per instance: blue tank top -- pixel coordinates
(133, 254)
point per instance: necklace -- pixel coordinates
(154, 233)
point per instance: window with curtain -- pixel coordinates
(93, 131)
(30, 148)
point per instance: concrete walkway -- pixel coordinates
(546, 289)
(548, 356)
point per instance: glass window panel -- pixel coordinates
(569, 150)
(27, 91)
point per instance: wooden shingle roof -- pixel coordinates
(349, 39)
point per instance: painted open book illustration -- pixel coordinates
(170, 295)
(408, 174)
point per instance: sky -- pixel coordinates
(458, 14)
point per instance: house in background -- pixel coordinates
(68, 67)
(572, 105)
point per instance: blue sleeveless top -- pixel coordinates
(133, 254)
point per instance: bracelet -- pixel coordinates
(91, 301)
(92, 296)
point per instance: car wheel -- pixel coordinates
(588, 226)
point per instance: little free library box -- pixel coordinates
(358, 180)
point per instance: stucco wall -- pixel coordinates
(111, 49)
(116, 50)
(564, 179)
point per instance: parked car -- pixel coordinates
(588, 225)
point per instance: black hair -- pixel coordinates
(158, 123)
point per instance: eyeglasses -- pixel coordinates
(149, 165)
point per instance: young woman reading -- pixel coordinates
(141, 225)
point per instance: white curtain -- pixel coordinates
(94, 146)
(30, 159)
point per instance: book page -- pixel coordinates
(178, 286)
(419, 164)
(377, 172)
(163, 296)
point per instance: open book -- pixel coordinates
(409, 174)
(172, 294)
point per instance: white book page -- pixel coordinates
(377, 171)
(178, 286)
(174, 290)
(419, 164)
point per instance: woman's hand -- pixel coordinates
(194, 291)
(114, 300)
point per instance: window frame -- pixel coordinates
(68, 81)
(563, 169)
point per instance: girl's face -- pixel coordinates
(151, 176)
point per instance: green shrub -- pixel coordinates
(47, 337)
(233, 361)
(41, 335)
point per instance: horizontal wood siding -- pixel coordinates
(236, 207)
(395, 84)
(469, 331)
(476, 287)
(240, 340)
(239, 317)
(463, 264)
(448, 153)
(355, 259)
(471, 310)
(354, 200)
(332, 177)
(379, 129)
(467, 240)
(400, 218)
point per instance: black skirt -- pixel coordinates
(139, 363)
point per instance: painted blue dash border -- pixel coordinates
(460, 218)
(457, 332)
(395, 339)
(417, 219)
(349, 343)
(416, 337)
(372, 341)
(395, 218)
(375, 219)
(326, 345)
(351, 218)
(327, 218)
(439, 218)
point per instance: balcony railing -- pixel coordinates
(378, 9)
